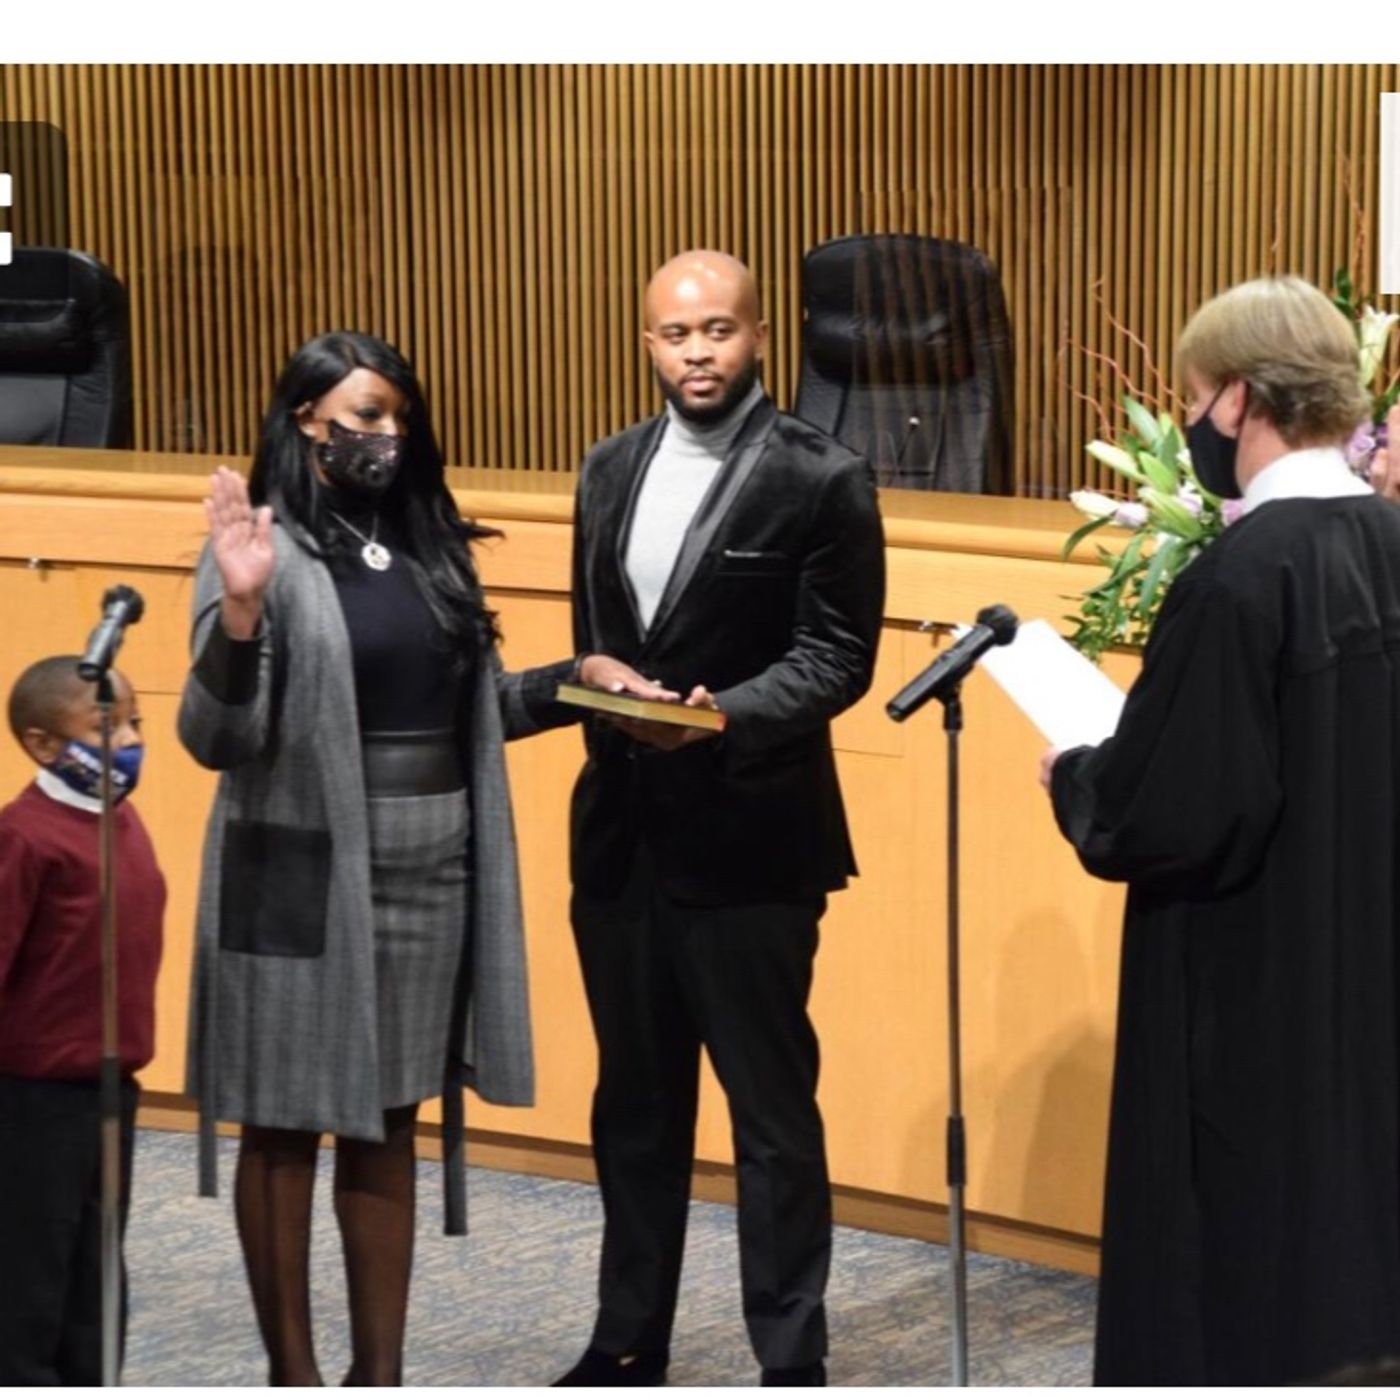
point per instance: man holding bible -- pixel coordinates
(734, 555)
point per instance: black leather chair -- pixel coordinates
(65, 352)
(906, 358)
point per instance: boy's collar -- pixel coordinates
(56, 788)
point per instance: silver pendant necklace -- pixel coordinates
(373, 553)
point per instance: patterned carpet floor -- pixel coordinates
(513, 1303)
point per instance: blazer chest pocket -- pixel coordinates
(754, 563)
(274, 890)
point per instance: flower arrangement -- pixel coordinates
(1169, 513)
(1373, 329)
(1172, 518)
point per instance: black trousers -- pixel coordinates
(662, 980)
(51, 1229)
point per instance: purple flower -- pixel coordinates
(1231, 510)
(1361, 447)
(1191, 500)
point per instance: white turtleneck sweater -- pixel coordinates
(681, 472)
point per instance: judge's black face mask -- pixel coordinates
(363, 464)
(1213, 454)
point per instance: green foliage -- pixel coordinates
(1344, 296)
(1111, 614)
(1171, 516)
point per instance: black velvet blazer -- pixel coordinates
(775, 605)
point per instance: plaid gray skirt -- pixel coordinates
(418, 887)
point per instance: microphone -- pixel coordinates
(907, 439)
(996, 626)
(121, 607)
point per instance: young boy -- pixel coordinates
(51, 1017)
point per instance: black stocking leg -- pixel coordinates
(272, 1200)
(374, 1199)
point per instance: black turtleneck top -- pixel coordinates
(404, 680)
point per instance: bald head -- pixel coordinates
(703, 273)
(704, 333)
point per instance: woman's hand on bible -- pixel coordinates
(241, 539)
(608, 673)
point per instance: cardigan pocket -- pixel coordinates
(275, 889)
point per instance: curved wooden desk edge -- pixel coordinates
(1006, 526)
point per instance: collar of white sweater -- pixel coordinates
(52, 786)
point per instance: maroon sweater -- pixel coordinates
(50, 939)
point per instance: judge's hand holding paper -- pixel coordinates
(1062, 693)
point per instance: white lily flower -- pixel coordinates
(1111, 455)
(1094, 504)
(1373, 335)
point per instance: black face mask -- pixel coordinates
(1213, 454)
(361, 464)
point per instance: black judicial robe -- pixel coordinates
(1251, 799)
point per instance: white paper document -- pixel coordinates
(1061, 692)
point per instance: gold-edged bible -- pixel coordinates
(634, 707)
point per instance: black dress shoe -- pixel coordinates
(812, 1374)
(598, 1368)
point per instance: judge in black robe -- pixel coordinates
(1251, 799)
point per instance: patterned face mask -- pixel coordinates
(363, 464)
(80, 767)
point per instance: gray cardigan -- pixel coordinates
(282, 1015)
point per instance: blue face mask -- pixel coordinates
(80, 766)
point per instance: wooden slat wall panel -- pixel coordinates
(499, 223)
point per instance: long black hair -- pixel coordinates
(418, 500)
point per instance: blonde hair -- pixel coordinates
(1291, 346)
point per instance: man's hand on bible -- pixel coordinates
(669, 736)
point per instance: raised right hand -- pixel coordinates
(241, 537)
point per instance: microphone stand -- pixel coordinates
(942, 681)
(109, 1082)
(956, 1138)
(121, 608)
